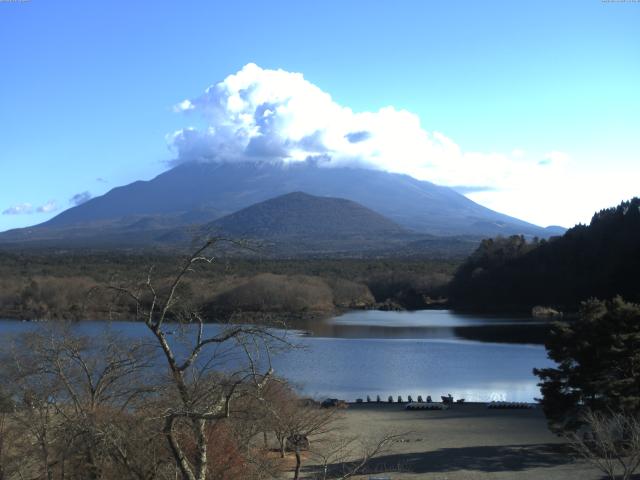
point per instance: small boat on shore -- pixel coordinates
(426, 406)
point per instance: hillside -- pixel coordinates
(198, 193)
(301, 215)
(298, 224)
(599, 260)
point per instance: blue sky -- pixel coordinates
(89, 89)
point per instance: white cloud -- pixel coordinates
(555, 158)
(183, 106)
(19, 209)
(27, 208)
(274, 115)
(80, 198)
(266, 115)
(48, 207)
(564, 198)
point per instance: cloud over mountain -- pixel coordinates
(264, 115)
(80, 198)
(50, 206)
(273, 115)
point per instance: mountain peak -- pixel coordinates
(302, 214)
(198, 193)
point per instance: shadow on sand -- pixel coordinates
(505, 458)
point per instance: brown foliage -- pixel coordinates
(276, 293)
(55, 285)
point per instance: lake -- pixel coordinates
(428, 352)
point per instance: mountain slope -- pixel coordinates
(227, 187)
(299, 224)
(165, 211)
(302, 215)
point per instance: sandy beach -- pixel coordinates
(468, 441)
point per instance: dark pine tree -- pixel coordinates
(601, 260)
(598, 359)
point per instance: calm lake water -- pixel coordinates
(429, 352)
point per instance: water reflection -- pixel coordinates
(429, 324)
(396, 353)
(355, 368)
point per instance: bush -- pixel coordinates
(278, 293)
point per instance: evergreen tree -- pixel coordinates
(512, 274)
(598, 359)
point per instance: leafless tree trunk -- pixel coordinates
(296, 475)
(100, 408)
(193, 406)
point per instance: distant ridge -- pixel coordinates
(228, 187)
(195, 194)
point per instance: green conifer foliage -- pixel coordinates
(598, 359)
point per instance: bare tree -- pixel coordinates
(308, 422)
(10, 439)
(609, 441)
(278, 405)
(72, 392)
(341, 457)
(202, 393)
(99, 407)
(295, 422)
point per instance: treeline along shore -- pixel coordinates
(51, 285)
(504, 275)
(514, 274)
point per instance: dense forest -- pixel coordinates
(512, 274)
(56, 285)
(508, 274)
